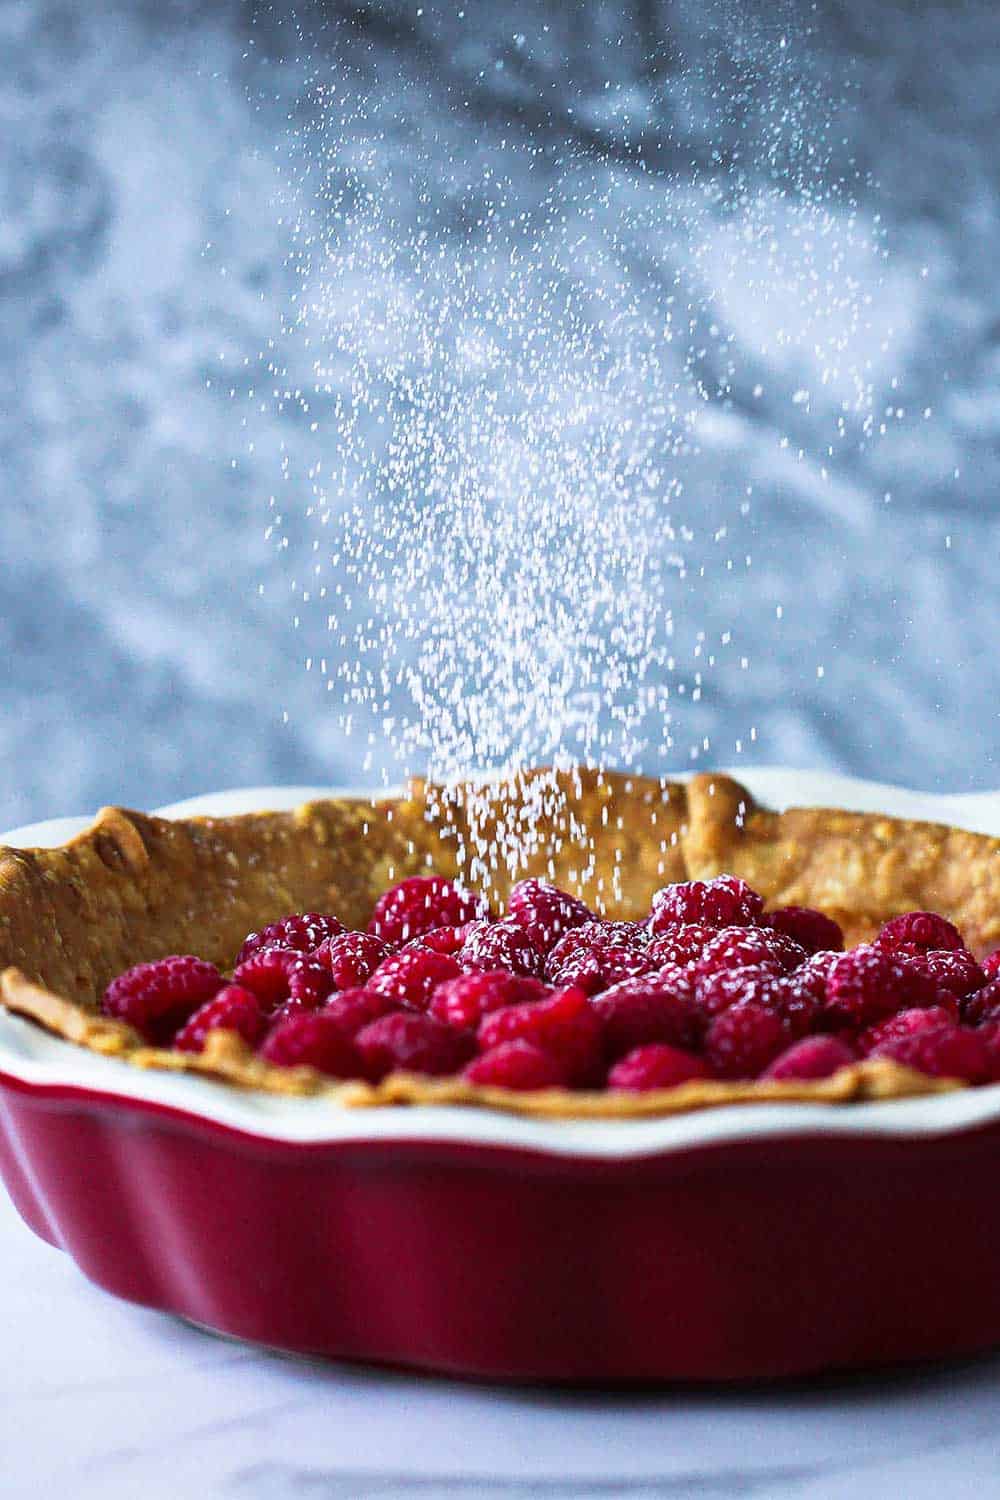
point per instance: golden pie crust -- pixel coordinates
(134, 887)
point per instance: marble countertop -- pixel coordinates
(100, 1399)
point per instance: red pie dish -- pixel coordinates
(564, 1229)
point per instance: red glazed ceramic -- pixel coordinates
(740, 1243)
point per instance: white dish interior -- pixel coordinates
(32, 1055)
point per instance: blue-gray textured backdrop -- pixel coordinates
(143, 268)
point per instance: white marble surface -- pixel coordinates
(100, 1400)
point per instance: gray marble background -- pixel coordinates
(143, 268)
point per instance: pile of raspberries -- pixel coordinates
(708, 985)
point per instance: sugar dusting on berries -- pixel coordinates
(549, 996)
(506, 361)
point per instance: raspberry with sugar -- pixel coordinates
(683, 944)
(632, 934)
(722, 902)
(868, 984)
(158, 997)
(921, 929)
(649, 1008)
(351, 957)
(817, 969)
(545, 912)
(746, 947)
(313, 1040)
(595, 969)
(450, 940)
(990, 965)
(798, 1001)
(720, 989)
(744, 1039)
(302, 931)
(285, 1010)
(595, 935)
(279, 974)
(516, 1065)
(413, 1043)
(231, 1009)
(352, 1009)
(904, 1023)
(951, 969)
(564, 1025)
(945, 1052)
(812, 930)
(983, 1005)
(466, 1000)
(420, 903)
(411, 977)
(813, 1057)
(990, 1034)
(657, 1066)
(502, 945)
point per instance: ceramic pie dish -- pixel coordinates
(816, 1230)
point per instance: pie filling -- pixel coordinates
(546, 1001)
(707, 987)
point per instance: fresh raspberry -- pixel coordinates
(410, 977)
(722, 902)
(285, 1011)
(744, 1039)
(303, 932)
(679, 945)
(352, 1009)
(413, 1044)
(564, 1025)
(990, 965)
(722, 988)
(798, 999)
(951, 969)
(982, 1006)
(746, 947)
(595, 969)
(922, 929)
(990, 1034)
(157, 998)
(812, 930)
(598, 954)
(867, 984)
(813, 1057)
(450, 940)
(594, 935)
(502, 945)
(945, 1052)
(279, 974)
(313, 1040)
(351, 957)
(465, 1000)
(644, 1010)
(817, 969)
(516, 1065)
(631, 934)
(230, 1009)
(904, 1023)
(422, 902)
(657, 1066)
(545, 912)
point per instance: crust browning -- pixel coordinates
(134, 887)
(860, 868)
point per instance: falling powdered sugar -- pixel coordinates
(497, 560)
